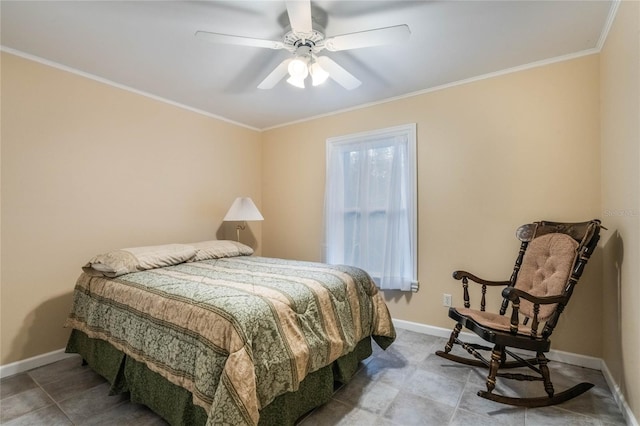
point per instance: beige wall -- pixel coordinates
(620, 93)
(492, 155)
(86, 168)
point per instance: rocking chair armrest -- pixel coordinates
(513, 294)
(465, 277)
(458, 275)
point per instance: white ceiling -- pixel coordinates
(150, 46)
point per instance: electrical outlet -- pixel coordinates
(446, 299)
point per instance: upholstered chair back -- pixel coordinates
(545, 271)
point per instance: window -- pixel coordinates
(371, 205)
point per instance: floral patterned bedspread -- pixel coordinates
(235, 332)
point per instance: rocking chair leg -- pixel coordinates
(452, 338)
(496, 357)
(546, 377)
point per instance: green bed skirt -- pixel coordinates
(174, 403)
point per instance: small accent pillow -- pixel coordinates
(124, 261)
(216, 249)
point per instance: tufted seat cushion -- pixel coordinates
(492, 320)
(545, 270)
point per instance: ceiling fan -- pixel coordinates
(305, 42)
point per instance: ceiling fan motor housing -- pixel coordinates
(303, 51)
(294, 40)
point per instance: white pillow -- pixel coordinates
(124, 261)
(216, 249)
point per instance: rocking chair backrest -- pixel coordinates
(551, 260)
(545, 271)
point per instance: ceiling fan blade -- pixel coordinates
(276, 75)
(238, 40)
(299, 12)
(339, 74)
(377, 37)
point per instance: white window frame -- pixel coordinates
(408, 131)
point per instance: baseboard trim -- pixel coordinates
(560, 356)
(33, 362)
(618, 396)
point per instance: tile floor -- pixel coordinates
(405, 385)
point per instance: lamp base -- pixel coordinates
(238, 228)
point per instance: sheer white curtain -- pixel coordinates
(370, 205)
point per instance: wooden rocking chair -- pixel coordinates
(552, 258)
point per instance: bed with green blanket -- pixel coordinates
(214, 336)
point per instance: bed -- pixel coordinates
(206, 333)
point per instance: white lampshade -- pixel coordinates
(297, 82)
(318, 74)
(298, 68)
(243, 209)
(298, 71)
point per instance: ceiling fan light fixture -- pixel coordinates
(318, 74)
